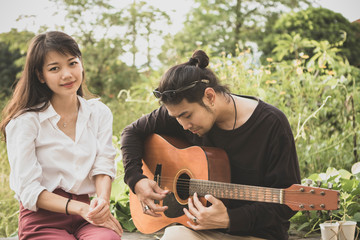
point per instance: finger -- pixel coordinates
(101, 208)
(101, 217)
(155, 207)
(195, 227)
(95, 211)
(193, 210)
(156, 196)
(188, 214)
(159, 190)
(118, 225)
(197, 202)
(93, 204)
(154, 213)
(110, 224)
(212, 199)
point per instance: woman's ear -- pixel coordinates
(40, 77)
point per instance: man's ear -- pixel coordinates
(209, 96)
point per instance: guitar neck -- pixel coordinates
(236, 191)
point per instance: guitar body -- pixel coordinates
(184, 170)
(169, 161)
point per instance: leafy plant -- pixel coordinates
(348, 185)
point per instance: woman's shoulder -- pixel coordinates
(26, 116)
(97, 106)
(24, 120)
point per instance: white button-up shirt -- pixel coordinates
(42, 157)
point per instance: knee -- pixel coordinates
(176, 232)
(105, 233)
(111, 235)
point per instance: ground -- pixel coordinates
(155, 236)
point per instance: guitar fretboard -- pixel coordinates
(235, 191)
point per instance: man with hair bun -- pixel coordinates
(255, 135)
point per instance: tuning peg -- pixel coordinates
(308, 182)
(330, 185)
(318, 183)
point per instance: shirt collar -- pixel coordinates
(49, 112)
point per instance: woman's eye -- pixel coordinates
(53, 69)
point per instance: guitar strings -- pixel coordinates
(183, 184)
(186, 182)
(241, 192)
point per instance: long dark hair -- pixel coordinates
(29, 93)
(185, 74)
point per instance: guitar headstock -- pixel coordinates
(300, 198)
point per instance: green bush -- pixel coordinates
(321, 102)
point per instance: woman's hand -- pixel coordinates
(113, 224)
(110, 221)
(99, 210)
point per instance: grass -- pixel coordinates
(9, 206)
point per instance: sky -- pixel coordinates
(41, 12)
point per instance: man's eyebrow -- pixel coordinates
(179, 116)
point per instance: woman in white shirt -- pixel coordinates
(59, 147)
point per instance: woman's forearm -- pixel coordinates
(56, 203)
(103, 186)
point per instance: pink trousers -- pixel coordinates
(45, 225)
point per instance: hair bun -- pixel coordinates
(201, 57)
(193, 61)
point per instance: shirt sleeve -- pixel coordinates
(133, 137)
(104, 161)
(26, 172)
(282, 171)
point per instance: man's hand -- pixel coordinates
(147, 192)
(202, 217)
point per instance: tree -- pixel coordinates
(140, 19)
(317, 24)
(13, 46)
(8, 68)
(224, 24)
(101, 42)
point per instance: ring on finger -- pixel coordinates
(194, 219)
(146, 207)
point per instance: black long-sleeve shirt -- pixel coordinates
(261, 152)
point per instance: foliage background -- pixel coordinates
(313, 78)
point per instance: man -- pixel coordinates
(255, 135)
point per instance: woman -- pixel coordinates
(59, 147)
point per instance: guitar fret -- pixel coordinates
(236, 191)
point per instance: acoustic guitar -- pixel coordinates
(185, 169)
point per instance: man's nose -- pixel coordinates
(185, 124)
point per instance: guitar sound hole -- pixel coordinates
(182, 186)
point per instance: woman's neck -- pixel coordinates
(65, 105)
